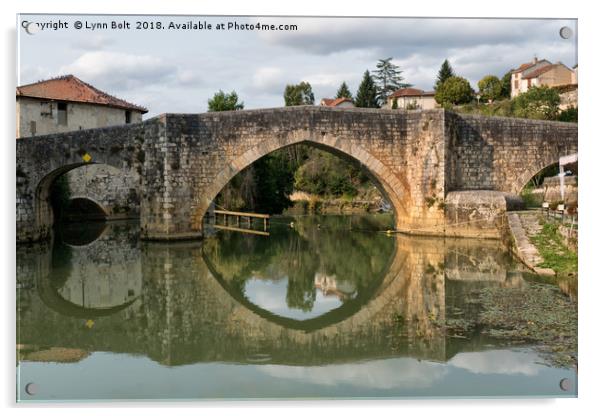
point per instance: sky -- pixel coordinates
(177, 71)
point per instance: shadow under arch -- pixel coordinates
(331, 317)
(388, 183)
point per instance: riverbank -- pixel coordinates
(542, 244)
(368, 200)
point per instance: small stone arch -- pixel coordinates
(531, 171)
(383, 178)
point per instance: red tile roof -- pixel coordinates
(411, 92)
(542, 70)
(528, 65)
(333, 102)
(539, 71)
(71, 88)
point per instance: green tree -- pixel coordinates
(225, 102)
(388, 79)
(366, 93)
(298, 94)
(490, 87)
(344, 92)
(538, 103)
(445, 72)
(570, 115)
(506, 85)
(454, 91)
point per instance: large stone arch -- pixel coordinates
(388, 183)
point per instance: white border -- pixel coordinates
(590, 211)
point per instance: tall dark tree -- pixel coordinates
(445, 72)
(388, 79)
(225, 102)
(366, 93)
(298, 94)
(344, 92)
(506, 85)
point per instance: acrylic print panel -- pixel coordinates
(222, 207)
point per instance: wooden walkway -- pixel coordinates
(249, 216)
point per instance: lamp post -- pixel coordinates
(478, 99)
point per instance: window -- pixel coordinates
(529, 83)
(62, 111)
(128, 117)
(46, 109)
(32, 127)
(515, 84)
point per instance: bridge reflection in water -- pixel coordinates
(377, 296)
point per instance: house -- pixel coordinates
(337, 102)
(538, 73)
(67, 103)
(412, 99)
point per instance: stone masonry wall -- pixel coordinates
(500, 153)
(115, 191)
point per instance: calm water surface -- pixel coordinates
(323, 308)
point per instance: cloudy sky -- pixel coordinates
(179, 70)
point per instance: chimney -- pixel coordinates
(535, 59)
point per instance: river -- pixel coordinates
(323, 307)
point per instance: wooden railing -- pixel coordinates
(238, 215)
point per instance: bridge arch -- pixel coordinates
(530, 171)
(388, 183)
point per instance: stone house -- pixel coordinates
(538, 73)
(337, 102)
(412, 99)
(65, 104)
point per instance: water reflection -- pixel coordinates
(315, 294)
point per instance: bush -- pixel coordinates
(568, 115)
(537, 103)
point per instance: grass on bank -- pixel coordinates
(555, 254)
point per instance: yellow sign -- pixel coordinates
(86, 157)
(90, 323)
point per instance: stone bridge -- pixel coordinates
(427, 163)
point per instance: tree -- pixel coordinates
(225, 102)
(490, 87)
(344, 92)
(445, 72)
(388, 79)
(366, 93)
(454, 91)
(506, 85)
(570, 115)
(298, 94)
(538, 102)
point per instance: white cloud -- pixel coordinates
(498, 362)
(116, 70)
(381, 374)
